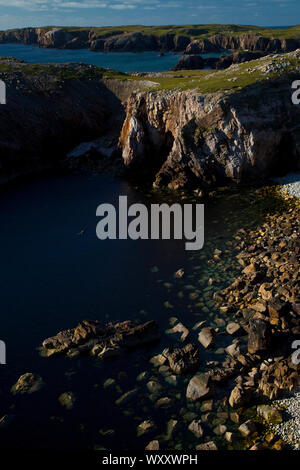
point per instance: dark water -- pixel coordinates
(123, 61)
(51, 278)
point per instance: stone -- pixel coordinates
(154, 386)
(247, 428)
(127, 397)
(158, 360)
(171, 426)
(103, 340)
(196, 428)
(183, 360)
(220, 429)
(270, 414)
(207, 446)
(28, 383)
(235, 417)
(277, 309)
(259, 336)
(179, 329)
(145, 427)
(207, 337)
(230, 437)
(265, 291)
(239, 396)
(164, 402)
(153, 445)
(67, 400)
(258, 446)
(180, 273)
(200, 387)
(234, 329)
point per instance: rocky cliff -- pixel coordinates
(138, 41)
(179, 130)
(52, 109)
(201, 140)
(248, 41)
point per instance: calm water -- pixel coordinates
(51, 278)
(123, 61)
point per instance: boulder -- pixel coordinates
(183, 360)
(200, 387)
(102, 340)
(207, 446)
(28, 383)
(259, 337)
(153, 445)
(196, 428)
(207, 337)
(240, 396)
(270, 414)
(247, 428)
(67, 400)
(145, 427)
(234, 329)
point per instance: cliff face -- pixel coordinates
(249, 41)
(46, 116)
(124, 41)
(185, 138)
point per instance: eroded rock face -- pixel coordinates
(209, 139)
(46, 116)
(248, 41)
(104, 341)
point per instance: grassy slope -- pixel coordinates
(205, 81)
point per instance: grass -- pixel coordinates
(204, 81)
(207, 81)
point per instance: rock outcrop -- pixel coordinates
(188, 138)
(101, 340)
(137, 41)
(245, 42)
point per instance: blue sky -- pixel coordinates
(21, 13)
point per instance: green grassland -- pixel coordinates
(205, 81)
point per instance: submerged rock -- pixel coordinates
(153, 445)
(145, 427)
(102, 340)
(67, 400)
(28, 383)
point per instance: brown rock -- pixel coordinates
(207, 337)
(200, 387)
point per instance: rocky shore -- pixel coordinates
(259, 321)
(186, 40)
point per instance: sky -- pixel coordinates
(22, 13)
